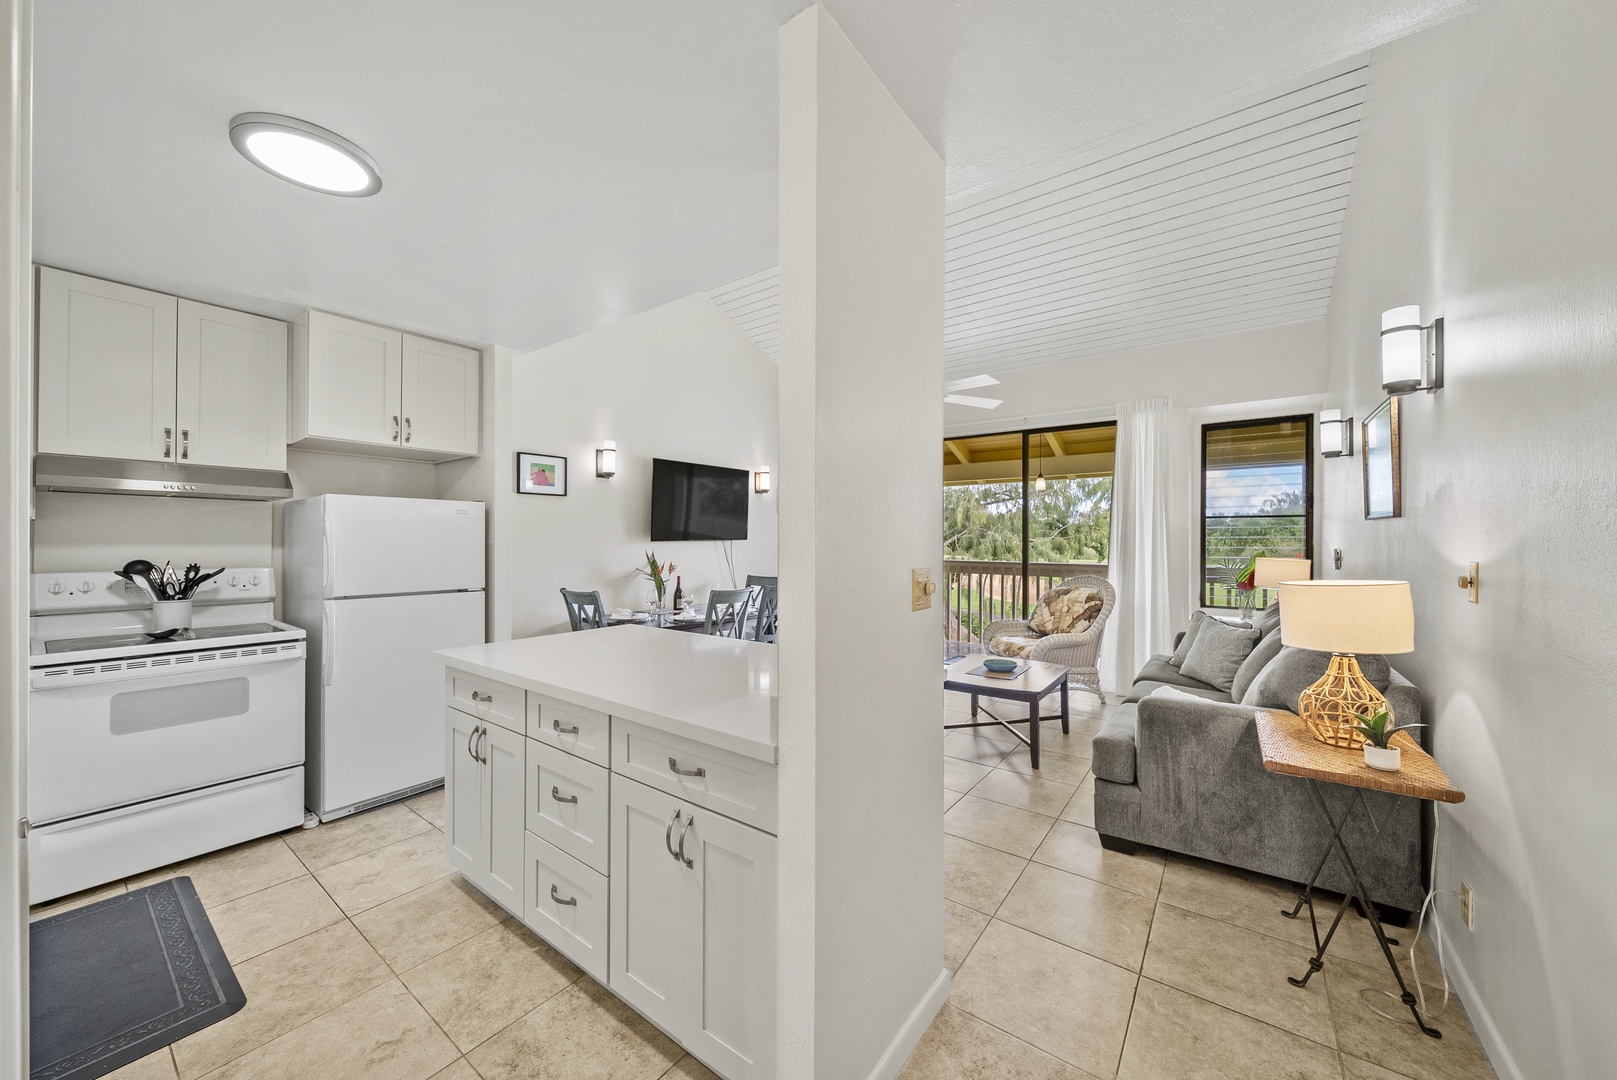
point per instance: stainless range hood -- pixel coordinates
(112, 476)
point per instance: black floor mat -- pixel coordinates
(118, 979)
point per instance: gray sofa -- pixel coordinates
(1187, 776)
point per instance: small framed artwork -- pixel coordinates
(541, 474)
(1383, 494)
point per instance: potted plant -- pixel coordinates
(1378, 729)
(658, 574)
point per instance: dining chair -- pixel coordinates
(768, 603)
(727, 612)
(760, 579)
(584, 609)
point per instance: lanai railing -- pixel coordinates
(981, 592)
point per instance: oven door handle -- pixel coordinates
(328, 641)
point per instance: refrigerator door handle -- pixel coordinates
(328, 569)
(328, 643)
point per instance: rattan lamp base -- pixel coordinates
(1332, 705)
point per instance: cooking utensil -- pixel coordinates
(132, 579)
(149, 573)
(197, 581)
(163, 635)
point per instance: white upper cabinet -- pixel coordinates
(231, 404)
(106, 369)
(360, 388)
(440, 399)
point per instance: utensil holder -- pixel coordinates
(171, 615)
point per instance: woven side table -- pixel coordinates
(1290, 749)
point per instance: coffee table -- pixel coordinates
(1031, 687)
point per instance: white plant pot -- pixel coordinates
(1385, 759)
(170, 615)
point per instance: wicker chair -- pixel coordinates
(1080, 652)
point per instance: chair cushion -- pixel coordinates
(1069, 609)
(1218, 652)
(1266, 650)
(1188, 638)
(1146, 688)
(1292, 671)
(1112, 749)
(1158, 670)
(1013, 644)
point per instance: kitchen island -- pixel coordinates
(617, 787)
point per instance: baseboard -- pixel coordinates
(898, 1051)
(1493, 1046)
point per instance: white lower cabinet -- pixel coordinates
(692, 936)
(565, 902)
(484, 799)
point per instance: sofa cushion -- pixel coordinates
(1293, 670)
(1069, 609)
(1267, 620)
(1217, 653)
(1112, 749)
(1263, 652)
(1146, 688)
(1013, 645)
(1157, 669)
(1181, 648)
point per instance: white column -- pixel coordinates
(861, 386)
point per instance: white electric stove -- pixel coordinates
(144, 750)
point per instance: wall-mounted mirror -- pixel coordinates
(1383, 495)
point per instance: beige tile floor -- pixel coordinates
(364, 958)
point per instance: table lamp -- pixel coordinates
(1268, 573)
(1345, 618)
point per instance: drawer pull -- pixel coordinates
(571, 901)
(482, 697)
(673, 764)
(555, 793)
(556, 725)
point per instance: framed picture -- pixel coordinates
(541, 474)
(1383, 487)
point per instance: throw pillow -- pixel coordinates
(1182, 650)
(1013, 645)
(1070, 609)
(1294, 670)
(1218, 652)
(1267, 621)
(1267, 649)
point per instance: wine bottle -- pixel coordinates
(679, 596)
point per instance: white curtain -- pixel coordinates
(1139, 551)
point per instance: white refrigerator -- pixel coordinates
(379, 584)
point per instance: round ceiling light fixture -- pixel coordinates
(305, 154)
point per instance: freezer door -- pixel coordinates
(381, 546)
(381, 712)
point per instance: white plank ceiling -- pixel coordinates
(1222, 221)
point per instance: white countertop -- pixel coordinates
(717, 691)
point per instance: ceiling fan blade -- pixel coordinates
(972, 383)
(974, 402)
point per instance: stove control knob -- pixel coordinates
(234, 580)
(56, 588)
(86, 586)
(256, 580)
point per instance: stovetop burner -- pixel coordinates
(198, 633)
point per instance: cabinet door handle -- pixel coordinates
(673, 764)
(168, 442)
(471, 743)
(556, 724)
(482, 747)
(555, 793)
(395, 429)
(571, 901)
(406, 429)
(185, 443)
(668, 834)
(681, 856)
(482, 697)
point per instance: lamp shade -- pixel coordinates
(1269, 573)
(1348, 616)
(1402, 350)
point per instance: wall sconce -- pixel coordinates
(1411, 354)
(1335, 434)
(760, 481)
(606, 459)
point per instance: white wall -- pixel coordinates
(861, 840)
(1483, 191)
(1270, 372)
(679, 381)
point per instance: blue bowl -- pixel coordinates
(999, 663)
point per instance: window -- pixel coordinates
(1006, 541)
(1257, 499)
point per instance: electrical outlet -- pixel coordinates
(1465, 904)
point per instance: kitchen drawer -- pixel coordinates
(485, 699)
(568, 803)
(565, 902)
(579, 731)
(730, 784)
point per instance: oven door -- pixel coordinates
(109, 742)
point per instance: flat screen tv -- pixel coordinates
(697, 502)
